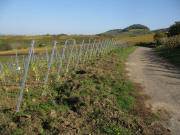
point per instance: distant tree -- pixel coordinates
(174, 29)
(159, 36)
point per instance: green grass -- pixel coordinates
(172, 54)
(124, 98)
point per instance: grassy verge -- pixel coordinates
(172, 54)
(96, 99)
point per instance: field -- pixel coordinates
(75, 88)
(20, 72)
(10, 45)
(97, 98)
(22, 42)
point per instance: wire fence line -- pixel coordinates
(30, 73)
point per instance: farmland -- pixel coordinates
(53, 63)
(75, 104)
(72, 84)
(22, 42)
(96, 67)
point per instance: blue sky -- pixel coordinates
(31, 17)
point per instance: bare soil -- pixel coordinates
(161, 81)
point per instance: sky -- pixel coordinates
(34, 17)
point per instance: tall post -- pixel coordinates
(80, 51)
(87, 48)
(25, 75)
(47, 55)
(49, 67)
(92, 49)
(62, 57)
(69, 60)
(97, 45)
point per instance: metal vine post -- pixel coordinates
(80, 51)
(69, 60)
(49, 67)
(62, 57)
(47, 55)
(92, 49)
(87, 48)
(25, 75)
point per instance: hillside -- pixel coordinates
(130, 31)
(113, 32)
(136, 27)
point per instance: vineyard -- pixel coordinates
(72, 89)
(89, 67)
(25, 77)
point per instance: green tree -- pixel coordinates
(174, 29)
(136, 26)
(158, 37)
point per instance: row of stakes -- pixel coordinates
(88, 51)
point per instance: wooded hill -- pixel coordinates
(132, 30)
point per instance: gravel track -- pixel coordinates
(161, 81)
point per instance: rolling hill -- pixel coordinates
(130, 31)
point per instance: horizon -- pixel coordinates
(69, 34)
(83, 17)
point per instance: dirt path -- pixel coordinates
(161, 81)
